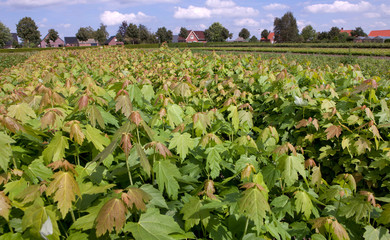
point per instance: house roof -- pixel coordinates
(239, 39)
(14, 38)
(346, 31)
(71, 40)
(199, 35)
(89, 41)
(175, 38)
(109, 40)
(376, 33)
(271, 36)
(48, 35)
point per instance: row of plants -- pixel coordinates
(333, 51)
(8, 60)
(117, 143)
(301, 45)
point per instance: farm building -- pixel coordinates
(90, 42)
(194, 36)
(270, 38)
(113, 41)
(57, 43)
(13, 42)
(379, 33)
(71, 42)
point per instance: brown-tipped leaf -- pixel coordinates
(137, 198)
(333, 131)
(111, 215)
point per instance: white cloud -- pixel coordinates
(213, 8)
(385, 9)
(275, 6)
(246, 22)
(43, 3)
(114, 18)
(339, 6)
(192, 12)
(379, 25)
(372, 15)
(65, 25)
(339, 21)
(220, 4)
(302, 23)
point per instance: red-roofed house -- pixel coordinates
(379, 33)
(194, 36)
(270, 38)
(346, 31)
(57, 43)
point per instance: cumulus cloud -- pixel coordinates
(372, 15)
(385, 9)
(275, 6)
(379, 24)
(339, 21)
(339, 6)
(44, 3)
(192, 12)
(215, 8)
(246, 22)
(114, 18)
(65, 25)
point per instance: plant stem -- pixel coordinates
(246, 226)
(128, 170)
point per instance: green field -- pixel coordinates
(117, 143)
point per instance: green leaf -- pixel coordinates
(11, 236)
(174, 115)
(362, 145)
(303, 203)
(245, 117)
(14, 188)
(153, 226)
(95, 136)
(135, 93)
(233, 115)
(166, 174)
(384, 115)
(108, 118)
(5, 150)
(22, 111)
(147, 92)
(214, 159)
(317, 236)
(182, 143)
(157, 198)
(380, 233)
(254, 205)
(385, 215)
(94, 116)
(143, 159)
(358, 207)
(192, 214)
(38, 170)
(290, 166)
(55, 151)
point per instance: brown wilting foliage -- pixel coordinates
(159, 148)
(126, 143)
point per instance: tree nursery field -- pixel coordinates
(117, 143)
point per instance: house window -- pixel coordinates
(192, 37)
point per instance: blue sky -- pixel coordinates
(67, 16)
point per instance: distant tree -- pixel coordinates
(144, 34)
(334, 34)
(5, 35)
(244, 33)
(183, 32)
(120, 36)
(164, 35)
(253, 39)
(308, 33)
(85, 33)
(51, 36)
(28, 31)
(264, 34)
(101, 34)
(217, 33)
(358, 32)
(323, 36)
(132, 34)
(286, 28)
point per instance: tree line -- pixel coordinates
(285, 30)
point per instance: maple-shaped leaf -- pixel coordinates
(136, 197)
(182, 143)
(166, 174)
(192, 213)
(95, 136)
(380, 233)
(384, 115)
(333, 131)
(214, 159)
(126, 143)
(175, 115)
(76, 133)
(315, 124)
(29, 194)
(64, 164)
(209, 189)
(210, 137)
(375, 131)
(148, 92)
(55, 151)
(94, 115)
(135, 118)
(160, 148)
(330, 225)
(254, 205)
(5, 150)
(302, 123)
(201, 122)
(64, 187)
(143, 159)
(11, 124)
(233, 115)
(154, 226)
(123, 103)
(370, 197)
(362, 145)
(384, 218)
(303, 203)
(316, 177)
(182, 89)
(22, 111)
(111, 215)
(83, 102)
(5, 205)
(246, 118)
(290, 166)
(357, 207)
(369, 114)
